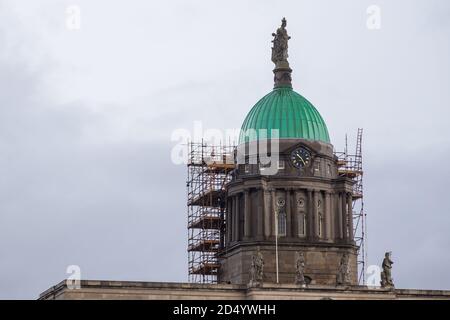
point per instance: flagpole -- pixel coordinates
(276, 242)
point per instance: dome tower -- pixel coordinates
(295, 210)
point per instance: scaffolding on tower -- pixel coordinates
(350, 165)
(209, 170)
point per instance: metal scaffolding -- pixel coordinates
(350, 165)
(209, 169)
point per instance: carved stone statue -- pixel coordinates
(300, 269)
(256, 269)
(280, 46)
(282, 71)
(342, 277)
(386, 274)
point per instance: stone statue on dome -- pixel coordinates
(280, 46)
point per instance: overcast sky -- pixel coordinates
(86, 117)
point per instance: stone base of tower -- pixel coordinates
(322, 263)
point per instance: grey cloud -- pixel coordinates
(88, 180)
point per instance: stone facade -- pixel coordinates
(127, 290)
(322, 263)
(316, 207)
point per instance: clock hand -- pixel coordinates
(303, 161)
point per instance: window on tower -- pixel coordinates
(282, 223)
(317, 167)
(301, 224)
(320, 224)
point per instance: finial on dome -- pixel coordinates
(282, 70)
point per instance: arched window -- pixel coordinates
(282, 223)
(320, 224)
(301, 219)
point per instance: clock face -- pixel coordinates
(300, 157)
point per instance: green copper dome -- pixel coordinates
(289, 112)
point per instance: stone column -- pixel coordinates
(247, 215)
(288, 214)
(272, 211)
(326, 215)
(240, 225)
(228, 219)
(331, 216)
(338, 211)
(344, 216)
(266, 213)
(236, 218)
(231, 226)
(350, 216)
(260, 215)
(315, 215)
(309, 217)
(294, 214)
